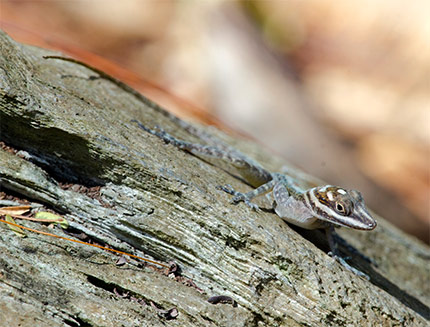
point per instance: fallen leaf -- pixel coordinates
(18, 231)
(56, 219)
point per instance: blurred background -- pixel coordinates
(340, 89)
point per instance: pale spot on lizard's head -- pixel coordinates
(341, 191)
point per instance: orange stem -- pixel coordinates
(85, 243)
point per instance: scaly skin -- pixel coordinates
(319, 207)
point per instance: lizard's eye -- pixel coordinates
(340, 208)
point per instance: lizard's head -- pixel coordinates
(340, 207)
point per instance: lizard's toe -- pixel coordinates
(239, 197)
(253, 206)
(227, 189)
(350, 268)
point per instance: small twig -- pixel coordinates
(85, 243)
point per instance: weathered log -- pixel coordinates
(68, 124)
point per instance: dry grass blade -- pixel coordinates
(16, 210)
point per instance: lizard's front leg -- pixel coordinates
(334, 252)
(247, 197)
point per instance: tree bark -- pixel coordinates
(70, 144)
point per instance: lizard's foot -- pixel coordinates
(353, 250)
(238, 197)
(347, 266)
(161, 133)
(166, 137)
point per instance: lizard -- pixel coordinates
(321, 207)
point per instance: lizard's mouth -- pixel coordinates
(361, 221)
(364, 219)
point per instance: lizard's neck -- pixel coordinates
(295, 211)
